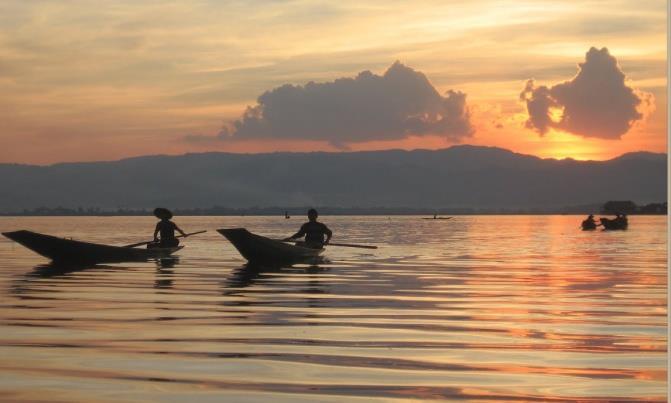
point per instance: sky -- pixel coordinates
(83, 80)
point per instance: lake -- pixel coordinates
(484, 308)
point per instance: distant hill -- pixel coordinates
(456, 177)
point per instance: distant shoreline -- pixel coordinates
(340, 215)
(300, 212)
(453, 181)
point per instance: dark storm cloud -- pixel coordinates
(368, 107)
(596, 103)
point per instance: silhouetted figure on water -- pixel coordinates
(166, 229)
(589, 223)
(313, 231)
(621, 218)
(619, 222)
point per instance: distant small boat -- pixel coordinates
(61, 250)
(436, 218)
(588, 225)
(259, 249)
(614, 224)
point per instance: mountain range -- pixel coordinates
(456, 177)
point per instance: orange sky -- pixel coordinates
(84, 82)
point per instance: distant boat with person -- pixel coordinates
(620, 222)
(435, 217)
(589, 224)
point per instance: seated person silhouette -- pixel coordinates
(314, 232)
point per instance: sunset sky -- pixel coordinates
(86, 81)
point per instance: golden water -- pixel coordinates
(484, 308)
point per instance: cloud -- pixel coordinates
(395, 105)
(596, 103)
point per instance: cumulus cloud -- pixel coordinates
(399, 103)
(597, 102)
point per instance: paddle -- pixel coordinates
(178, 236)
(347, 245)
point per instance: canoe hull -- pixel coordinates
(614, 224)
(261, 250)
(588, 226)
(61, 250)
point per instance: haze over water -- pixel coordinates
(486, 308)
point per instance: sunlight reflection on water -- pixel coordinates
(478, 307)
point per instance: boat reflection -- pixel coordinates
(165, 273)
(59, 269)
(249, 274)
(22, 286)
(244, 276)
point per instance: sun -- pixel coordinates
(556, 114)
(559, 144)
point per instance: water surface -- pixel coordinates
(484, 308)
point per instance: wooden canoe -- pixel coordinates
(614, 224)
(588, 225)
(262, 250)
(61, 250)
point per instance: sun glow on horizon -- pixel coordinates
(564, 145)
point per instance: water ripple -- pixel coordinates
(477, 308)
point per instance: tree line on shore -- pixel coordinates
(610, 207)
(629, 207)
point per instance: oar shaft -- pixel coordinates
(192, 233)
(148, 242)
(347, 245)
(352, 245)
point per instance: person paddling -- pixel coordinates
(589, 222)
(621, 218)
(313, 231)
(166, 228)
